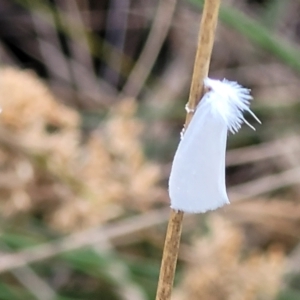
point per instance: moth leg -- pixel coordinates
(247, 123)
(254, 116)
(182, 133)
(188, 109)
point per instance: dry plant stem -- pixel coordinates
(205, 44)
(170, 254)
(204, 49)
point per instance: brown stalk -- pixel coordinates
(201, 66)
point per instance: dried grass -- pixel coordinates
(79, 184)
(220, 268)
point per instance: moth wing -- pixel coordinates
(197, 180)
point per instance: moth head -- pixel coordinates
(206, 85)
(212, 85)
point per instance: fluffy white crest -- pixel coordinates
(197, 180)
(229, 100)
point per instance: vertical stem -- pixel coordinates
(206, 38)
(204, 49)
(170, 254)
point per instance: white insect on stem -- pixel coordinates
(197, 180)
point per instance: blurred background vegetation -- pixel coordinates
(93, 96)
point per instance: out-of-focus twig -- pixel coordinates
(126, 288)
(278, 216)
(268, 150)
(79, 44)
(117, 17)
(85, 238)
(63, 69)
(53, 58)
(99, 47)
(80, 64)
(265, 184)
(157, 35)
(32, 282)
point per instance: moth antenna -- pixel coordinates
(247, 123)
(254, 116)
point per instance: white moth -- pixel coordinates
(197, 180)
